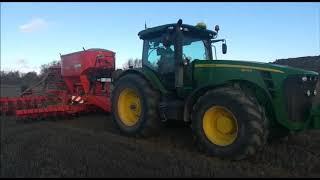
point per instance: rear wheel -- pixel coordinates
(135, 106)
(129, 107)
(228, 123)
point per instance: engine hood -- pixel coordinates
(251, 65)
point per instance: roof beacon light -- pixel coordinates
(201, 25)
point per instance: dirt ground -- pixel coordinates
(90, 146)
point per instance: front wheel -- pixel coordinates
(227, 123)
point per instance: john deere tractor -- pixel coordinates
(233, 107)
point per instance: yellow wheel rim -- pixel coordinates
(220, 126)
(129, 107)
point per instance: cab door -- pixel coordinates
(194, 49)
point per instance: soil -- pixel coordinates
(90, 146)
(311, 63)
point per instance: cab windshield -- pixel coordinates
(193, 48)
(196, 48)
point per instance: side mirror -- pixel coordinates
(224, 48)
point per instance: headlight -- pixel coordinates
(315, 92)
(309, 78)
(304, 78)
(308, 93)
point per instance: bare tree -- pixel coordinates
(45, 67)
(11, 77)
(135, 63)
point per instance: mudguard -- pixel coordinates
(148, 75)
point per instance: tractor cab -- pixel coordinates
(169, 51)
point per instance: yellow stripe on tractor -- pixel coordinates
(237, 66)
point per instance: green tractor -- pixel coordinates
(233, 107)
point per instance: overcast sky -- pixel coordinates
(35, 33)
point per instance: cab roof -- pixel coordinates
(159, 30)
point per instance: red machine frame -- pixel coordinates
(82, 84)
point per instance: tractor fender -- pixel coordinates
(192, 98)
(148, 75)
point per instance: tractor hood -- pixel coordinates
(282, 85)
(247, 66)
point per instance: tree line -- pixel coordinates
(17, 77)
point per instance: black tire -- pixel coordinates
(251, 121)
(149, 123)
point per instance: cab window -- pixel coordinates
(158, 57)
(195, 48)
